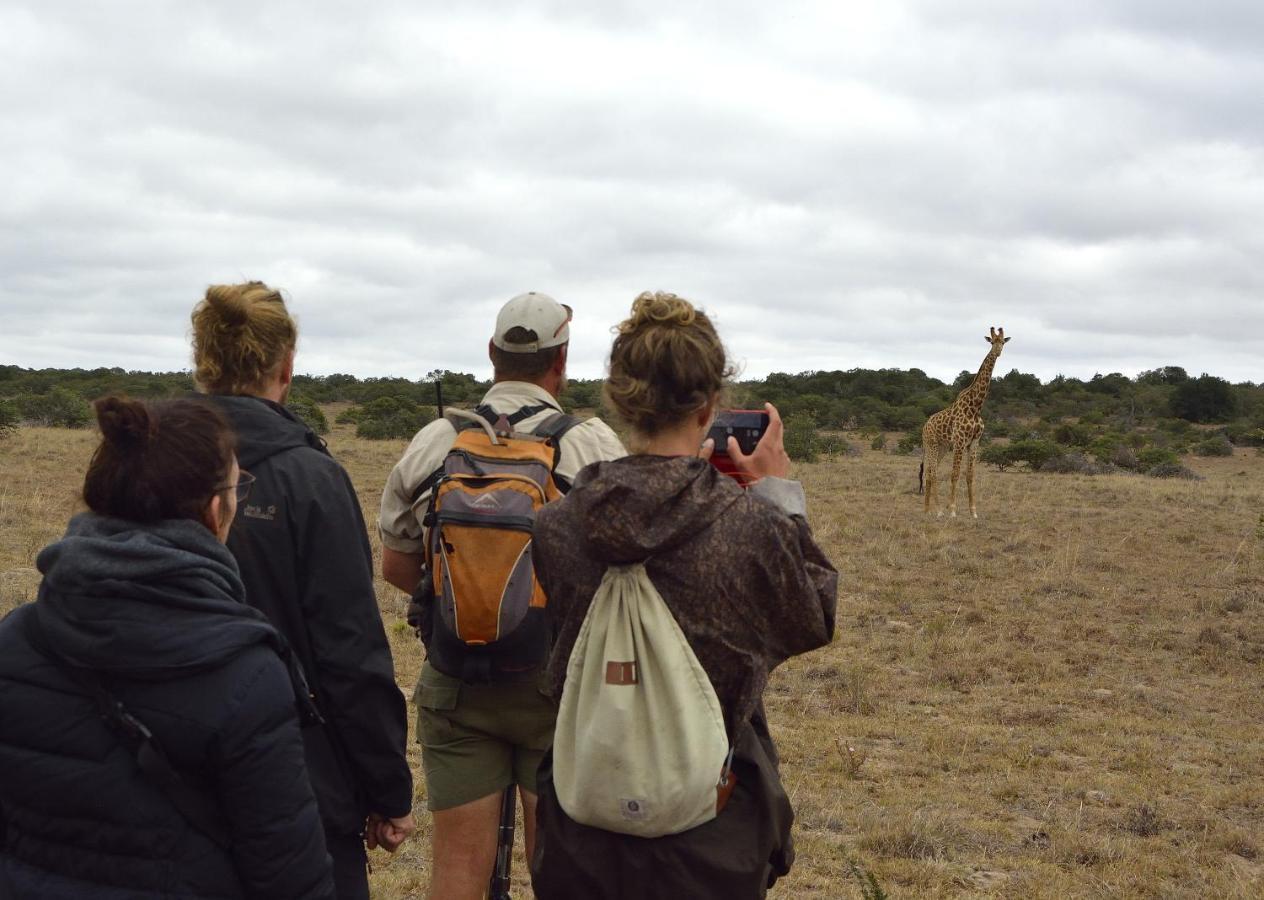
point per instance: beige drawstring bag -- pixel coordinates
(640, 746)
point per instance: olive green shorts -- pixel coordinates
(478, 739)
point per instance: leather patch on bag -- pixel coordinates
(621, 672)
(724, 789)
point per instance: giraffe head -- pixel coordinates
(997, 339)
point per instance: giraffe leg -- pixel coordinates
(956, 473)
(928, 477)
(971, 454)
(930, 457)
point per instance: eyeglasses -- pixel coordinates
(244, 481)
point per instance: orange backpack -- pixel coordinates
(487, 611)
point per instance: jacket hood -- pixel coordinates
(144, 601)
(633, 508)
(264, 428)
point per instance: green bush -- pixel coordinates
(1073, 435)
(59, 408)
(1033, 452)
(311, 414)
(834, 445)
(879, 442)
(1151, 457)
(1105, 446)
(910, 442)
(801, 439)
(997, 455)
(9, 417)
(1075, 463)
(392, 418)
(1214, 446)
(1253, 438)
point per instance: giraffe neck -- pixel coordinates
(972, 397)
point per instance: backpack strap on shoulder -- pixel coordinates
(513, 418)
(555, 428)
(196, 808)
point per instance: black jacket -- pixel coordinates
(158, 611)
(304, 554)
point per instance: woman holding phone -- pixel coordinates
(740, 573)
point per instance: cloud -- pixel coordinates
(868, 184)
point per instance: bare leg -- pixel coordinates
(463, 842)
(528, 821)
(956, 473)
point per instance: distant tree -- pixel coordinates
(1017, 386)
(59, 408)
(387, 418)
(801, 441)
(1165, 375)
(311, 414)
(1204, 399)
(9, 417)
(1114, 384)
(1218, 445)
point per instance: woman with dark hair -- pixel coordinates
(149, 718)
(741, 576)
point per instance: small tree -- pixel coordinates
(9, 418)
(802, 442)
(1154, 457)
(392, 418)
(311, 414)
(1214, 446)
(910, 442)
(1205, 399)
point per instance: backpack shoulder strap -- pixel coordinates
(196, 808)
(555, 428)
(512, 418)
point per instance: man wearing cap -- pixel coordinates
(477, 739)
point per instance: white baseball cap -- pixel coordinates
(537, 313)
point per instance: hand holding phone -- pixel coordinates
(748, 444)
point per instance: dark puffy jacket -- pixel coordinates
(304, 555)
(158, 612)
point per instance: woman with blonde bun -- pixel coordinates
(304, 555)
(140, 649)
(740, 573)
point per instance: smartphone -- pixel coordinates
(747, 425)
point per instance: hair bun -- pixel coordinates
(123, 422)
(228, 303)
(659, 308)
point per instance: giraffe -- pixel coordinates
(958, 428)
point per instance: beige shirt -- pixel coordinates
(400, 521)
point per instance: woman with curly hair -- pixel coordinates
(740, 573)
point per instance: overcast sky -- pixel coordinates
(858, 184)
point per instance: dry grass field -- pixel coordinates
(1060, 699)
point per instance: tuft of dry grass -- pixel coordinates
(1059, 699)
